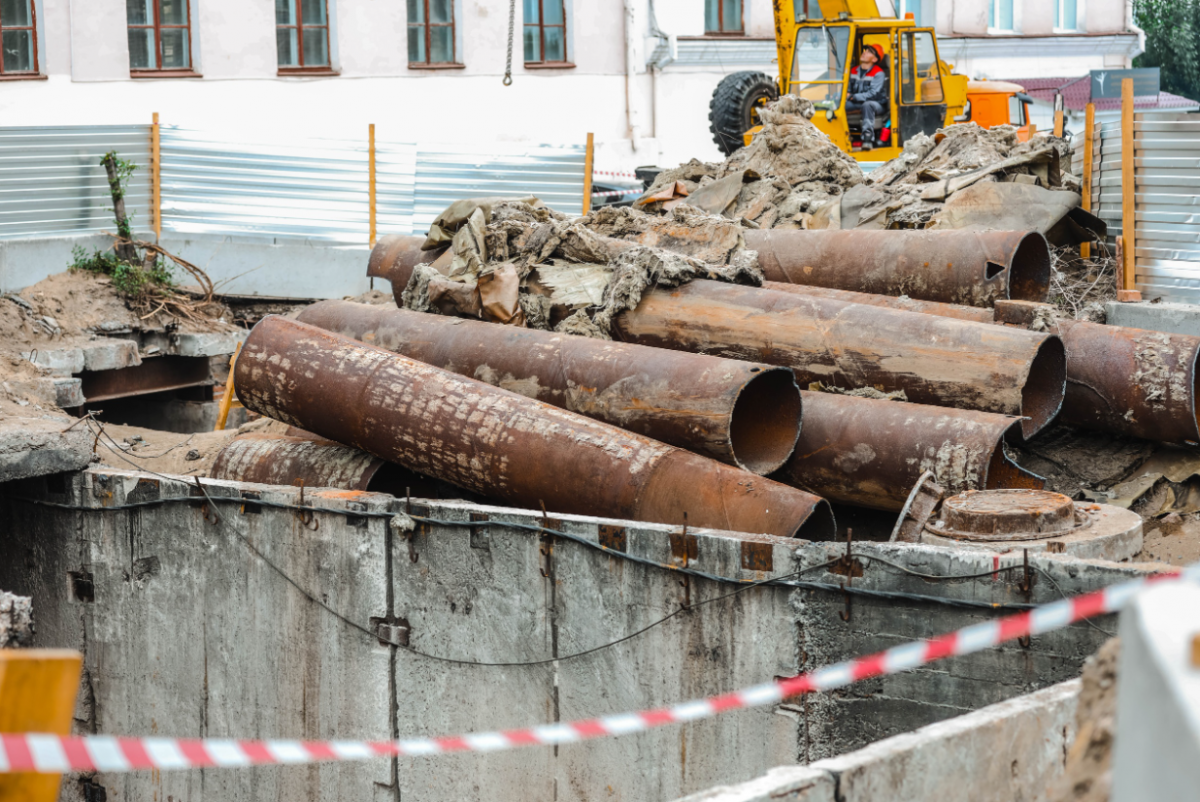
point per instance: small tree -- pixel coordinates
(1172, 28)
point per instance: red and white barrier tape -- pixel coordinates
(637, 191)
(54, 754)
(616, 175)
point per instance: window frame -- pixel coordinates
(542, 26)
(994, 17)
(302, 68)
(427, 26)
(723, 31)
(1058, 14)
(36, 72)
(157, 28)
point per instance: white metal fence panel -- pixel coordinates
(1167, 209)
(51, 181)
(446, 174)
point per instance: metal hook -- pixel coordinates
(307, 518)
(216, 519)
(848, 564)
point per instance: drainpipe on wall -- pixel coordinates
(633, 130)
(1131, 25)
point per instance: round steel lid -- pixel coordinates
(1006, 515)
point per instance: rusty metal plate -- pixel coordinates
(612, 537)
(155, 375)
(758, 556)
(684, 547)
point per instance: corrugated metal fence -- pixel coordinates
(1166, 180)
(51, 182)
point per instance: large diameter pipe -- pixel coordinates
(737, 412)
(966, 267)
(272, 459)
(501, 444)
(870, 453)
(394, 257)
(949, 363)
(1119, 379)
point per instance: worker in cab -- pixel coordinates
(868, 91)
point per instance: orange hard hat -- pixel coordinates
(878, 51)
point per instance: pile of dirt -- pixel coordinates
(1087, 776)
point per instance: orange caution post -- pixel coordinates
(228, 401)
(1089, 148)
(156, 178)
(371, 178)
(1127, 279)
(37, 694)
(588, 164)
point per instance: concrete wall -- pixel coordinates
(238, 265)
(1003, 753)
(189, 634)
(1158, 697)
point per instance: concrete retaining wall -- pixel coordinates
(186, 632)
(1007, 752)
(238, 265)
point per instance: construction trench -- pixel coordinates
(578, 467)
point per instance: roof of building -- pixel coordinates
(1077, 93)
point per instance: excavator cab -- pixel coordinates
(816, 57)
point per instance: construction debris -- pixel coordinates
(741, 413)
(16, 620)
(500, 444)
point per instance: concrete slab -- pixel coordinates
(1173, 318)
(793, 783)
(36, 447)
(1108, 533)
(1156, 754)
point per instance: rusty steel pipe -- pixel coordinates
(733, 411)
(968, 267)
(272, 459)
(948, 363)
(394, 257)
(1122, 380)
(501, 444)
(870, 453)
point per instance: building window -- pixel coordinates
(722, 16)
(1066, 15)
(1000, 15)
(431, 31)
(160, 35)
(545, 32)
(302, 34)
(911, 7)
(18, 37)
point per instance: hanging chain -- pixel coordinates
(512, 15)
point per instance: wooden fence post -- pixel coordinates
(37, 694)
(1089, 149)
(371, 177)
(1127, 287)
(588, 164)
(156, 178)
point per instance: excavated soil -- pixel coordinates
(1088, 773)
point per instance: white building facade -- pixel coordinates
(637, 73)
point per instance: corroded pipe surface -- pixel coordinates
(1119, 379)
(870, 453)
(967, 267)
(394, 257)
(949, 363)
(1131, 381)
(501, 444)
(738, 412)
(272, 459)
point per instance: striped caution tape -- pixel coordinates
(55, 754)
(614, 174)
(609, 194)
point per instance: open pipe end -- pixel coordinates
(819, 525)
(1029, 269)
(765, 422)
(1045, 387)
(394, 257)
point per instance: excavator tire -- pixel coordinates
(733, 108)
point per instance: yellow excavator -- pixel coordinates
(819, 42)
